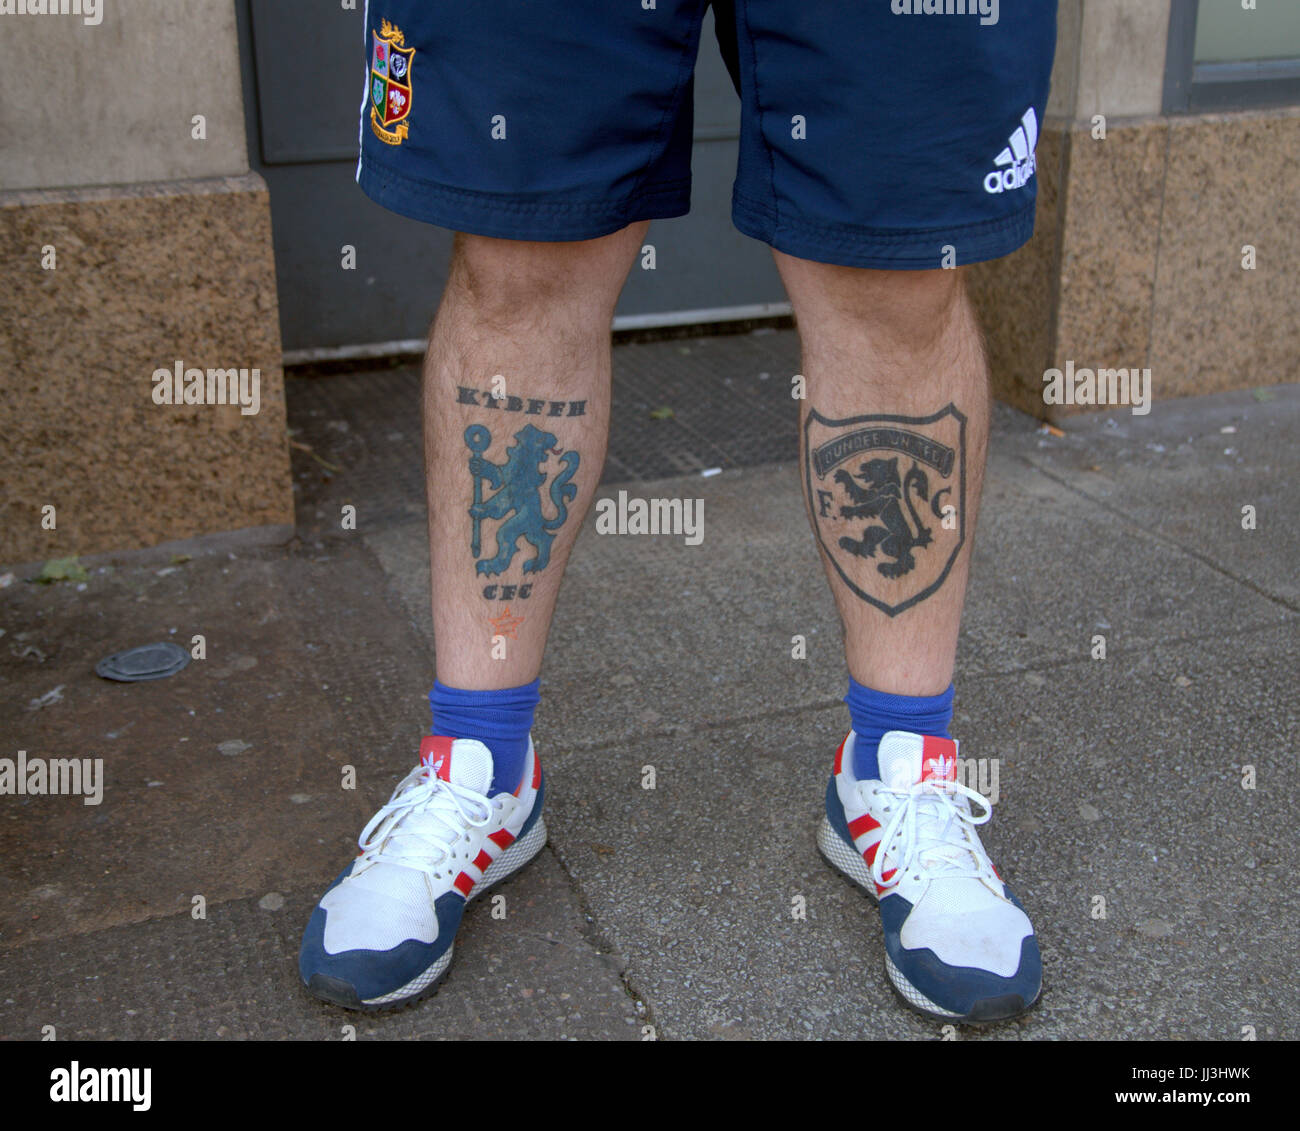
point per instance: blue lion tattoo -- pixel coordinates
(517, 503)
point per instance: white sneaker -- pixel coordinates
(382, 934)
(958, 945)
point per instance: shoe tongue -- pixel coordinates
(462, 761)
(906, 758)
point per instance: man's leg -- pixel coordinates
(516, 416)
(521, 340)
(882, 344)
(558, 179)
(516, 408)
(895, 426)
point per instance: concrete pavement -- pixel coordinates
(1119, 780)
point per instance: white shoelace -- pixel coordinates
(919, 835)
(422, 821)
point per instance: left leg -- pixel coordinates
(893, 437)
(879, 348)
(910, 150)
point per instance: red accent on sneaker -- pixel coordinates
(839, 756)
(537, 774)
(463, 884)
(863, 824)
(481, 861)
(435, 752)
(502, 838)
(938, 759)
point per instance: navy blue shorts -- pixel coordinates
(874, 133)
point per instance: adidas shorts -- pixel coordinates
(874, 133)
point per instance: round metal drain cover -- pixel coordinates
(149, 661)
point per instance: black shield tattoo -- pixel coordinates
(888, 501)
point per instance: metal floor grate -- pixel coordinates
(729, 398)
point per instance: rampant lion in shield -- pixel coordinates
(884, 497)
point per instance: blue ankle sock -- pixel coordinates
(500, 720)
(875, 712)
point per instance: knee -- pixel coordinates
(909, 310)
(914, 306)
(509, 280)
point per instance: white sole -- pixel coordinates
(845, 860)
(507, 864)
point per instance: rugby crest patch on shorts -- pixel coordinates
(391, 62)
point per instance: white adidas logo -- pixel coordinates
(1016, 162)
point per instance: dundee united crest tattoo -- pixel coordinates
(888, 501)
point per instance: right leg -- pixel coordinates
(522, 467)
(526, 316)
(531, 322)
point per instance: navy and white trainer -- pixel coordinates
(958, 944)
(382, 934)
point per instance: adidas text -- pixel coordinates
(1015, 164)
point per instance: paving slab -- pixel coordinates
(1185, 471)
(532, 975)
(204, 772)
(226, 782)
